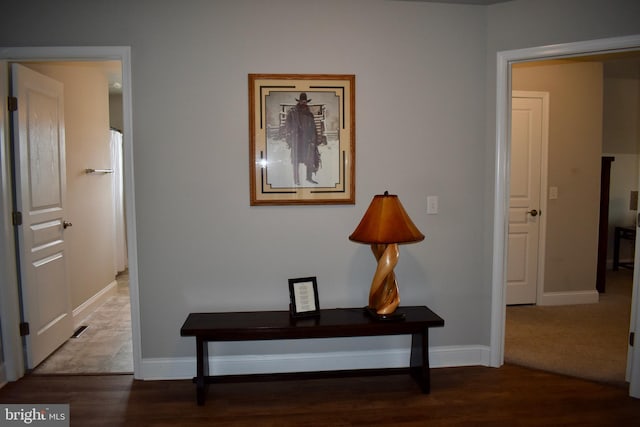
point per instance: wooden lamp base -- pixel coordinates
(384, 296)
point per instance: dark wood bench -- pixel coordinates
(331, 323)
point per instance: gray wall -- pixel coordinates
(425, 126)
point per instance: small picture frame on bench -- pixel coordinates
(303, 293)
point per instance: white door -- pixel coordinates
(633, 353)
(527, 139)
(38, 129)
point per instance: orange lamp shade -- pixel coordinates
(385, 222)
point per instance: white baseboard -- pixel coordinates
(455, 356)
(89, 306)
(185, 367)
(569, 298)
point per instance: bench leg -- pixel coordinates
(202, 370)
(420, 360)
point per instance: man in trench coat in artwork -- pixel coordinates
(302, 139)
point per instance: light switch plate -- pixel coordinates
(553, 193)
(432, 205)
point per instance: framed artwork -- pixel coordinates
(301, 139)
(303, 293)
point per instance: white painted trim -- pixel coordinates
(185, 367)
(544, 197)
(8, 282)
(89, 306)
(500, 209)
(501, 180)
(456, 356)
(633, 353)
(9, 299)
(569, 298)
(632, 374)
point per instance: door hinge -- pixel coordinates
(632, 337)
(24, 329)
(12, 103)
(16, 218)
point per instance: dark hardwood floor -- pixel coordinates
(505, 396)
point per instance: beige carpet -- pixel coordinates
(104, 346)
(587, 341)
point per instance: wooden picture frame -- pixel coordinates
(289, 163)
(303, 294)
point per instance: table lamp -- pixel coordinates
(384, 225)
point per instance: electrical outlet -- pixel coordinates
(432, 205)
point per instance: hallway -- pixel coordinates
(104, 346)
(587, 340)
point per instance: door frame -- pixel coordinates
(12, 342)
(501, 179)
(544, 174)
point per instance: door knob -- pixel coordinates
(66, 224)
(533, 212)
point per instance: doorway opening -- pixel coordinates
(575, 332)
(505, 62)
(125, 284)
(98, 276)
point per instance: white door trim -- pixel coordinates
(501, 179)
(9, 287)
(9, 301)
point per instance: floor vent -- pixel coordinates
(79, 331)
